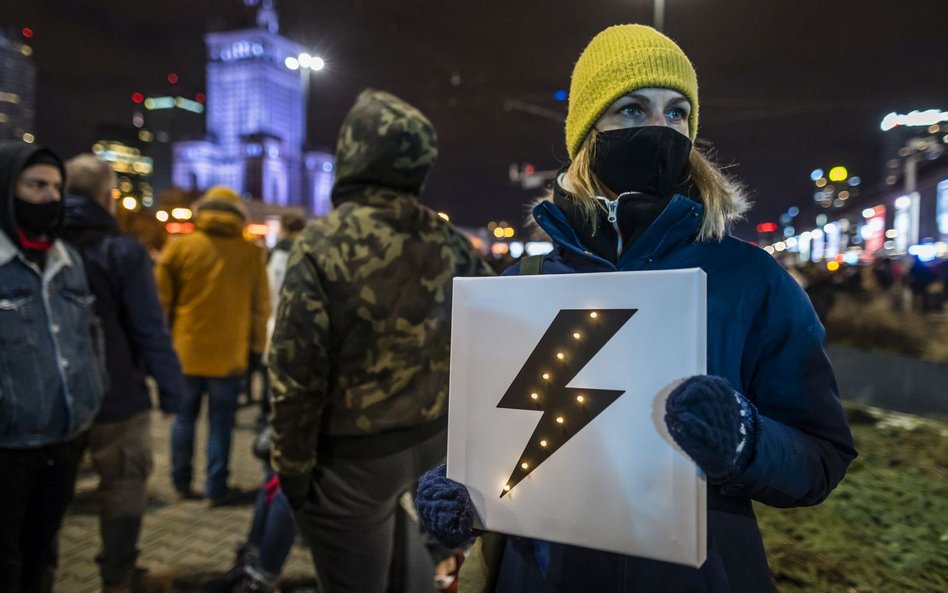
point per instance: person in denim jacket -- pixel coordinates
(50, 372)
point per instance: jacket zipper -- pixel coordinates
(613, 207)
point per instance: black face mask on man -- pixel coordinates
(650, 160)
(38, 219)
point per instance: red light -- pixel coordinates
(200, 98)
(529, 170)
(179, 228)
(767, 227)
(27, 32)
(173, 78)
(137, 97)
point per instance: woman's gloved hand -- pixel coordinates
(446, 509)
(715, 425)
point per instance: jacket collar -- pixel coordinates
(84, 212)
(58, 256)
(677, 225)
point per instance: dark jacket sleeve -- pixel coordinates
(804, 444)
(299, 363)
(146, 323)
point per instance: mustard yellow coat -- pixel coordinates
(213, 287)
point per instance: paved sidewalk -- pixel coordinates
(183, 541)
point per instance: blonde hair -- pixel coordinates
(90, 176)
(724, 198)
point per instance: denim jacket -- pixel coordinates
(50, 371)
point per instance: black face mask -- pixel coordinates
(38, 219)
(651, 160)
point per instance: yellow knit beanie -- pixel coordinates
(618, 61)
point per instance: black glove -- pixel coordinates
(715, 425)
(296, 488)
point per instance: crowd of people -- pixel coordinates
(351, 318)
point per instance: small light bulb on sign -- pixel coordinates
(580, 398)
(543, 443)
(525, 465)
(593, 315)
(560, 420)
(534, 396)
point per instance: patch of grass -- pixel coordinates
(885, 527)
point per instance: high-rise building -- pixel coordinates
(256, 121)
(164, 120)
(17, 85)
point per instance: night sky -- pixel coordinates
(785, 86)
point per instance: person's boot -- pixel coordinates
(252, 584)
(228, 581)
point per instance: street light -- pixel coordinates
(305, 61)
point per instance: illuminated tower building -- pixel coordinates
(17, 85)
(256, 119)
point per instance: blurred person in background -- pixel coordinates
(360, 353)
(260, 558)
(52, 375)
(137, 344)
(213, 287)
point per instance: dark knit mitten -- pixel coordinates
(445, 508)
(715, 425)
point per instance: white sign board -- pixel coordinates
(557, 400)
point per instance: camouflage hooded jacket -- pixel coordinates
(361, 344)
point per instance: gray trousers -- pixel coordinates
(121, 455)
(349, 522)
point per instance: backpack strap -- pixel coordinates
(531, 265)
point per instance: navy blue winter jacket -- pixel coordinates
(137, 342)
(766, 340)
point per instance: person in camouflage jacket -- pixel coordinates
(360, 351)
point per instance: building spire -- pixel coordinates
(267, 17)
(266, 14)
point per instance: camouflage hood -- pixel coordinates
(384, 143)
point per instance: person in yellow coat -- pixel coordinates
(213, 287)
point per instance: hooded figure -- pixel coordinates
(359, 357)
(764, 424)
(50, 371)
(213, 286)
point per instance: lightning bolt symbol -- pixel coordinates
(572, 340)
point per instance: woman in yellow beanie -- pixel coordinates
(765, 424)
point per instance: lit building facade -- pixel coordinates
(256, 122)
(17, 85)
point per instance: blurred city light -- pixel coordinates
(561, 95)
(137, 97)
(838, 174)
(181, 213)
(292, 63)
(903, 202)
(173, 78)
(162, 216)
(816, 174)
(821, 182)
(832, 266)
(28, 138)
(27, 32)
(444, 216)
(129, 203)
(868, 213)
(767, 227)
(915, 118)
